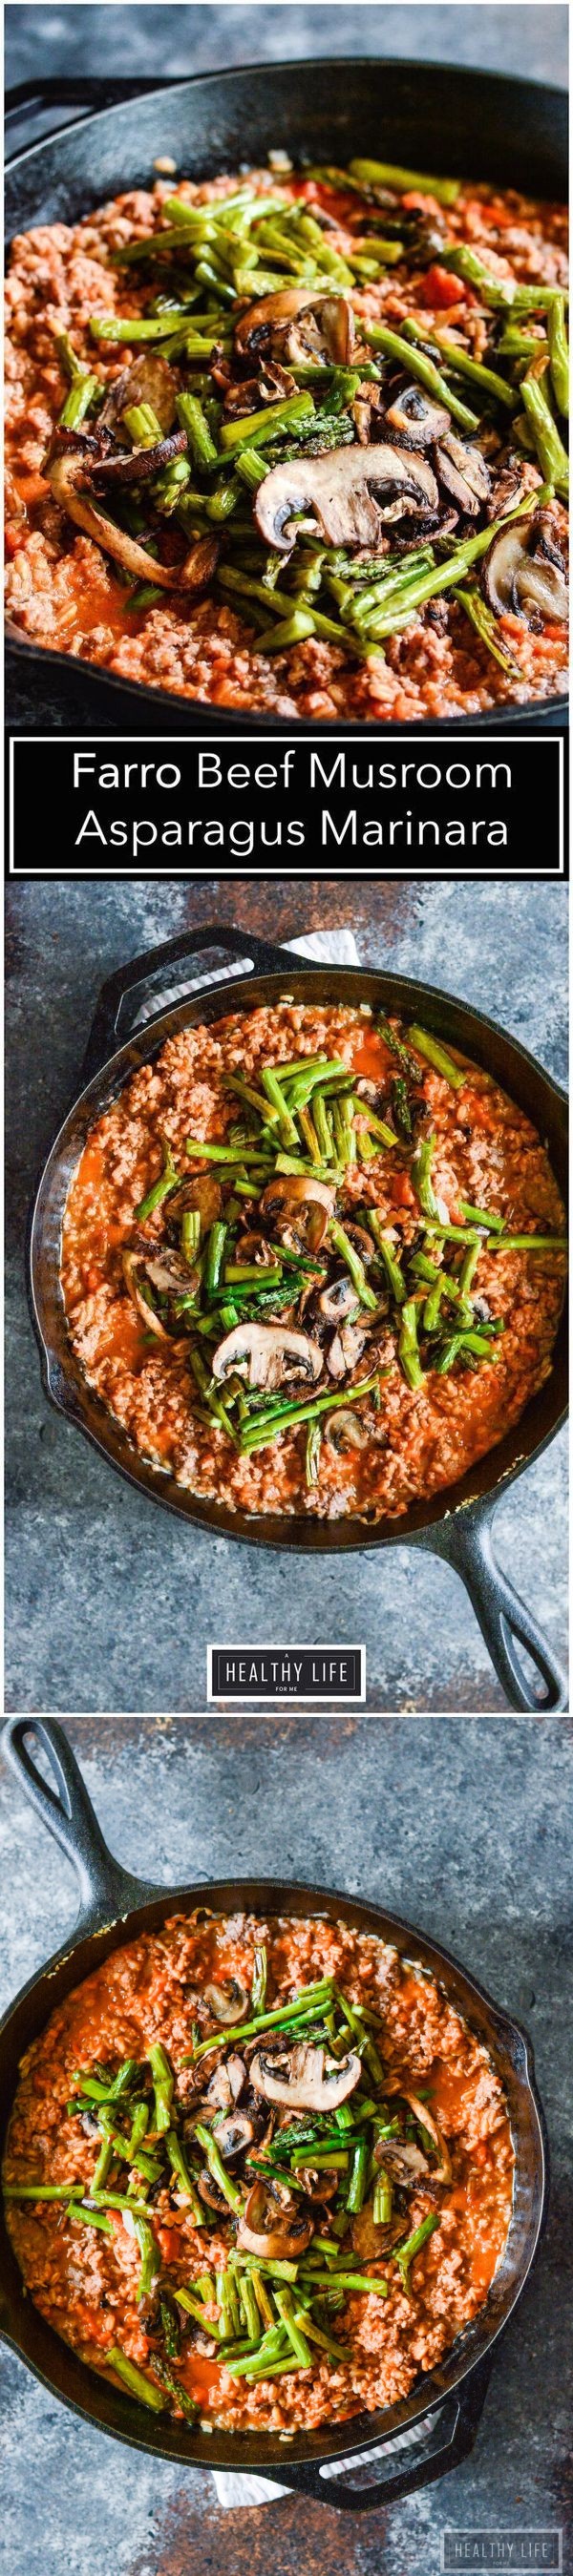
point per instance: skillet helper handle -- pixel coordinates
(30, 99)
(123, 997)
(445, 2438)
(106, 1889)
(505, 1620)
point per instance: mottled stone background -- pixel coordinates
(462, 1827)
(499, 37)
(111, 1603)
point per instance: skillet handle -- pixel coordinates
(445, 2437)
(106, 1890)
(123, 997)
(505, 1620)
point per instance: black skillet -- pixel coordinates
(436, 2425)
(429, 116)
(456, 1525)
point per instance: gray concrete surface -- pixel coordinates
(402, 1815)
(111, 1603)
(530, 40)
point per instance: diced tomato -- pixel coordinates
(402, 1194)
(169, 2239)
(438, 289)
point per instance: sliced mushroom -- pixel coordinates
(228, 2003)
(402, 2160)
(210, 2192)
(305, 2077)
(149, 380)
(352, 1342)
(337, 1300)
(370, 2238)
(271, 323)
(233, 2135)
(271, 1354)
(509, 487)
(253, 1248)
(463, 471)
(218, 2093)
(138, 464)
(340, 490)
(343, 1431)
(265, 2231)
(518, 577)
(69, 472)
(335, 1360)
(203, 1193)
(236, 2072)
(427, 2121)
(315, 1201)
(147, 1313)
(318, 2185)
(168, 1272)
(416, 419)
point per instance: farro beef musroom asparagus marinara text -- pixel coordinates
(260, 2170)
(295, 441)
(313, 1261)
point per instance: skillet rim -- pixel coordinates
(553, 711)
(502, 2028)
(287, 1531)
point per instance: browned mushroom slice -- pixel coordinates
(417, 420)
(69, 472)
(427, 2121)
(271, 1354)
(204, 1194)
(518, 579)
(266, 2230)
(353, 493)
(148, 1316)
(344, 1431)
(318, 2185)
(210, 2192)
(273, 320)
(253, 1248)
(370, 2237)
(337, 1300)
(305, 2077)
(402, 2160)
(138, 464)
(463, 471)
(508, 487)
(233, 2134)
(149, 380)
(301, 1204)
(228, 2003)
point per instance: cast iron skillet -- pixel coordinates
(456, 1524)
(424, 115)
(440, 2418)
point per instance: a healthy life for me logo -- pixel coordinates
(509, 2549)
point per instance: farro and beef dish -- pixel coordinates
(294, 442)
(313, 1261)
(259, 2170)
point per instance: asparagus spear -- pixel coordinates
(390, 174)
(134, 2379)
(422, 1177)
(408, 1352)
(169, 1179)
(164, 2081)
(437, 1055)
(412, 358)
